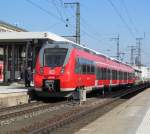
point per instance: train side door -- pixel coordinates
(78, 71)
(110, 76)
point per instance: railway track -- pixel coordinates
(73, 113)
(19, 107)
(12, 114)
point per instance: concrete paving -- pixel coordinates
(131, 117)
(13, 94)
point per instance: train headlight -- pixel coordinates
(41, 70)
(62, 70)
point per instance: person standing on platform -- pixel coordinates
(28, 77)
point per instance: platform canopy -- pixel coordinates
(25, 36)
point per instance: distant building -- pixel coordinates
(145, 72)
(6, 27)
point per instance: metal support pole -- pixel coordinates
(78, 23)
(27, 53)
(13, 64)
(33, 56)
(133, 48)
(5, 64)
(77, 20)
(118, 51)
(131, 59)
(139, 51)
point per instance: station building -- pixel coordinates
(12, 55)
(19, 49)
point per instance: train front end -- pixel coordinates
(50, 71)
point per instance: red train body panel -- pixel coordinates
(65, 67)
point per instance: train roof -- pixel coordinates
(25, 36)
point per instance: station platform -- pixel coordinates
(131, 117)
(13, 94)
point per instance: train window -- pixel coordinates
(54, 57)
(116, 75)
(121, 75)
(88, 69)
(108, 72)
(125, 76)
(92, 69)
(84, 66)
(84, 69)
(112, 74)
(101, 75)
(130, 75)
(104, 73)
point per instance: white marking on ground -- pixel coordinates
(144, 127)
(84, 129)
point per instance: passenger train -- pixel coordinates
(63, 67)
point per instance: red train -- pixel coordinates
(63, 67)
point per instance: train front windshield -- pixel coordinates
(54, 57)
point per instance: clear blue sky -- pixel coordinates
(99, 21)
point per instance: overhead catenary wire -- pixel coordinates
(61, 2)
(90, 27)
(57, 9)
(129, 16)
(84, 31)
(60, 19)
(121, 18)
(89, 34)
(44, 10)
(51, 26)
